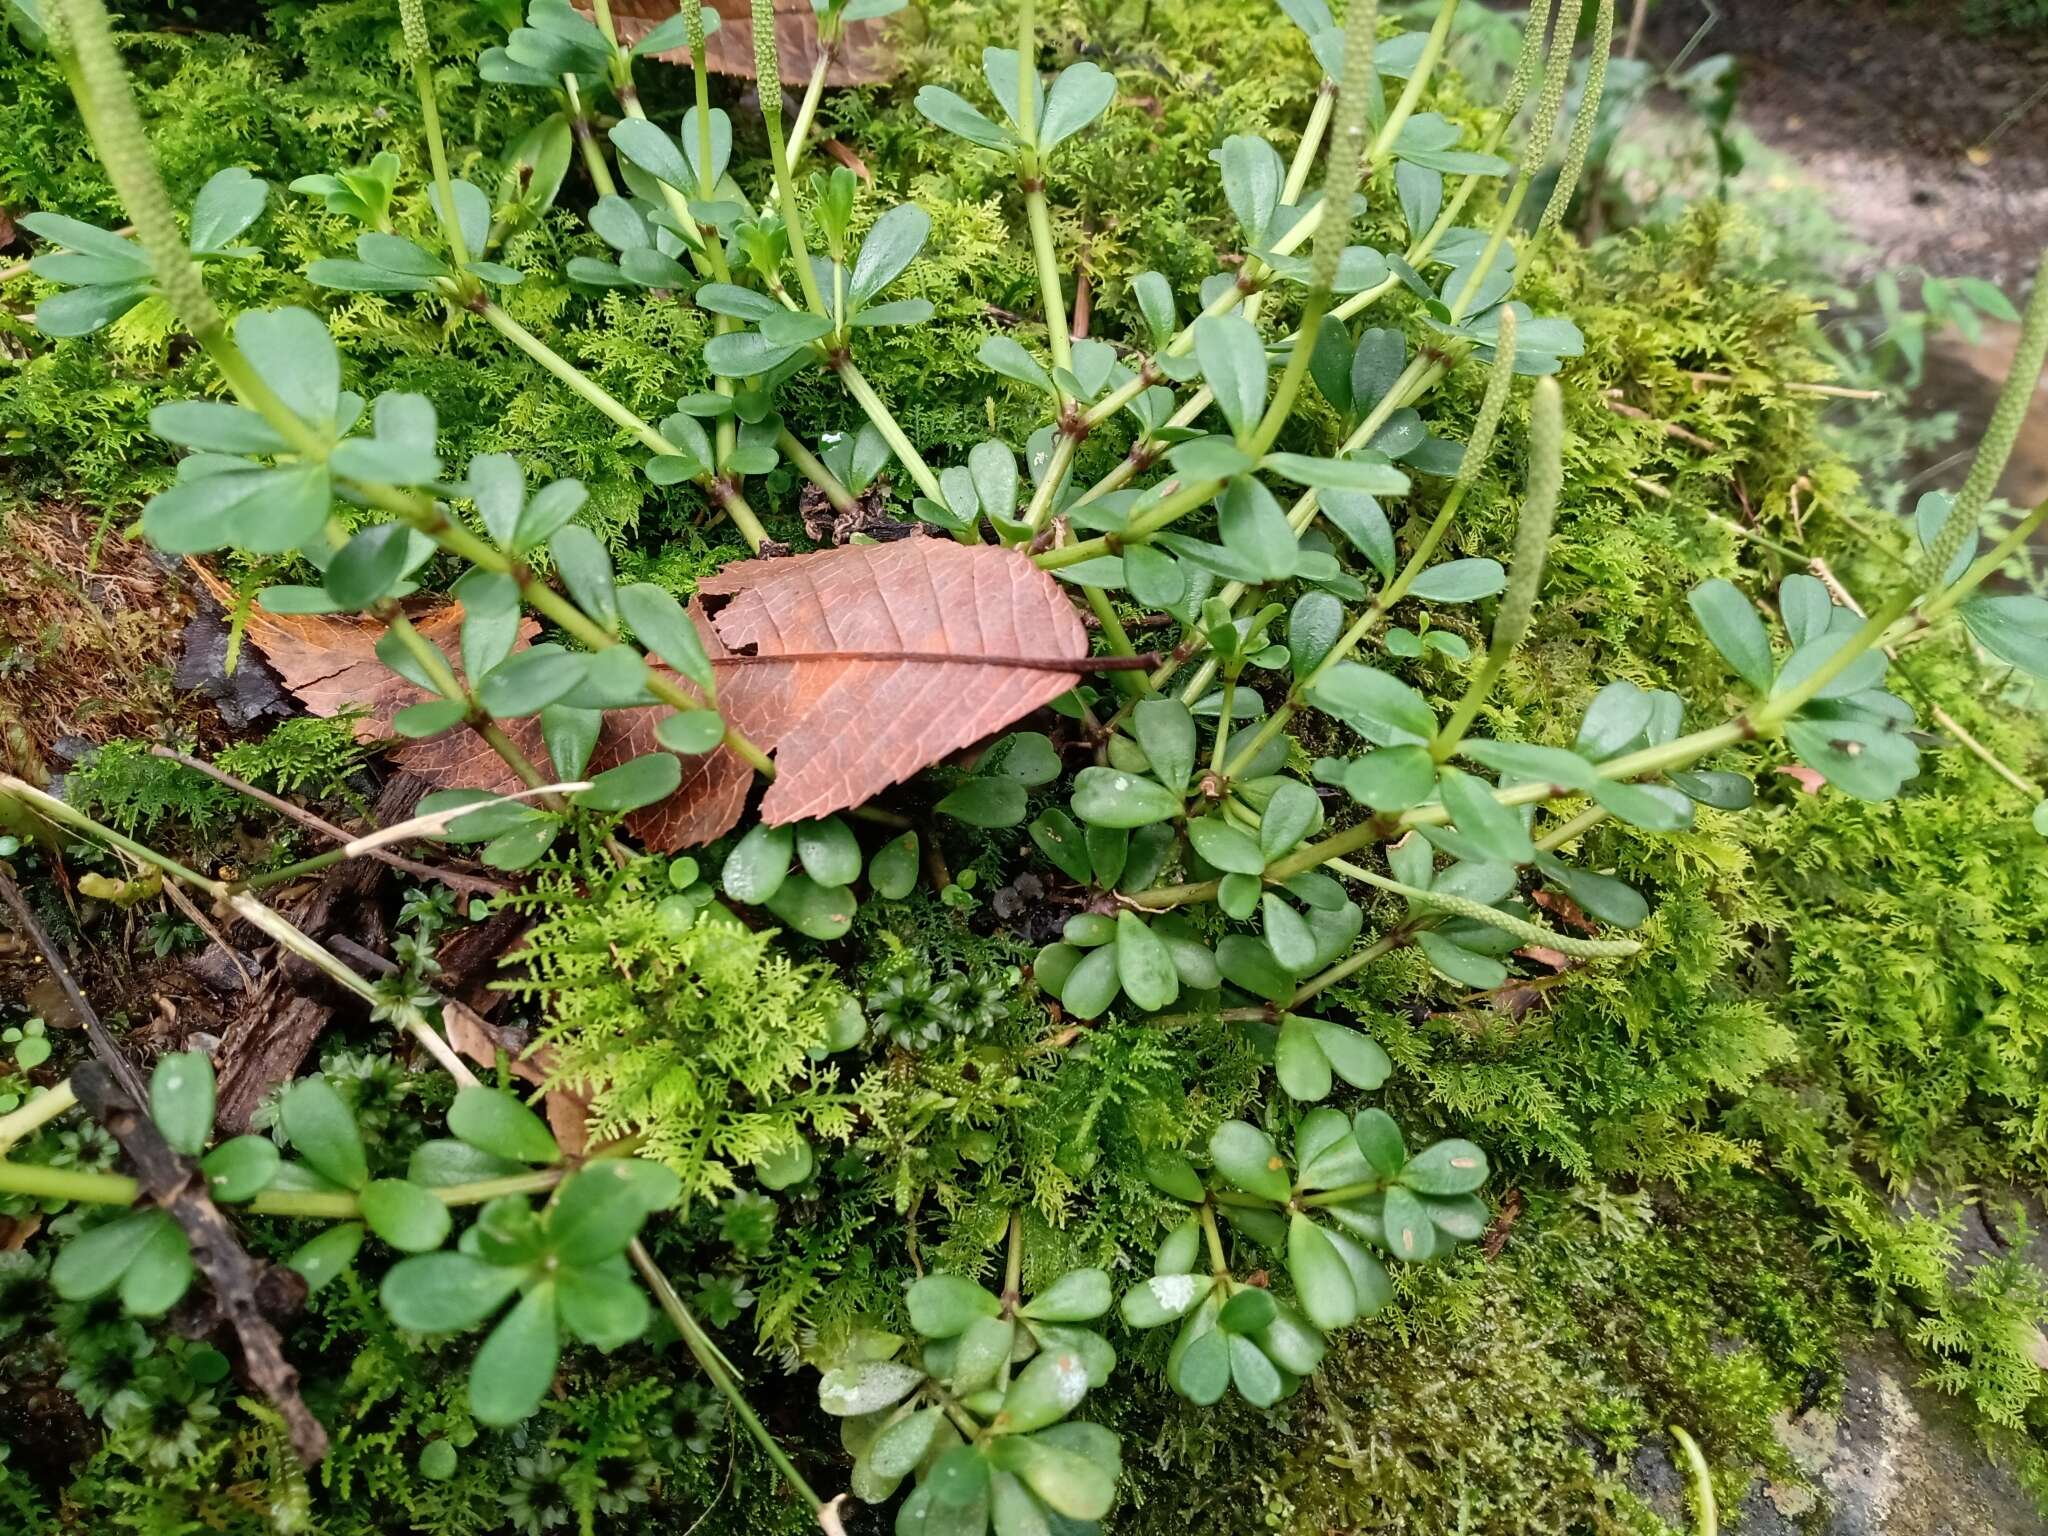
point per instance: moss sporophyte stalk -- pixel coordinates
(1108, 999)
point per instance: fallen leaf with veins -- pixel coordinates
(864, 59)
(846, 717)
(329, 660)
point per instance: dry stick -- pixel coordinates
(1634, 45)
(113, 1091)
(200, 921)
(1621, 407)
(247, 1290)
(103, 1044)
(1740, 530)
(477, 884)
(1942, 717)
(21, 269)
(1794, 386)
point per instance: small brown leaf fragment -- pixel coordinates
(1809, 780)
(569, 1118)
(863, 59)
(1503, 1222)
(844, 154)
(480, 1040)
(329, 660)
(1564, 909)
(844, 730)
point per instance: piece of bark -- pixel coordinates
(863, 59)
(286, 1013)
(245, 1291)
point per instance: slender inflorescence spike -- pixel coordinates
(412, 20)
(2000, 434)
(1349, 141)
(1525, 574)
(693, 27)
(1534, 30)
(117, 133)
(1582, 126)
(1539, 512)
(1563, 37)
(767, 66)
(1500, 381)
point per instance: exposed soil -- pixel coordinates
(89, 627)
(1929, 144)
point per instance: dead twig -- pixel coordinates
(1791, 386)
(1621, 407)
(1942, 717)
(476, 884)
(200, 921)
(104, 1045)
(1636, 19)
(245, 1291)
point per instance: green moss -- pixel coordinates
(1514, 1394)
(1826, 987)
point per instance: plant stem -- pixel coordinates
(1386, 943)
(1197, 493)
(713, 1364)
(1986, 565)
(813, 469)
(1119, 642)
(1311, 140)
(729, 500)
(872, 405)
(1420, 374)
(580, 383)
(1214, 1239)
(1418, 78)
(40, 1183)
(51, 808)
(807, 110)
(1042, 498)
(413, 14)
(1013, 1265)
(586, 142)
(21, 1123)
(1495, 239)
(1223, 723)
(792, 216)
(1635, 765)
(1344, 1193)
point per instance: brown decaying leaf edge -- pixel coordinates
(863, 60)
(845, 717)
(329, 660)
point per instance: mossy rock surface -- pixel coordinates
(1836, 999)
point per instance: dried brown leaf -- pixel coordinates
(846, 718)
(329, 660)
(863, 59)
(843, 728)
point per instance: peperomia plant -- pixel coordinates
(565, 1262)
(976, 1408)
(1204, 865)
(1353, 1191)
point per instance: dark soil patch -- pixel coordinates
(1929, 144)
(89, 626)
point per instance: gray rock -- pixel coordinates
(1897, 1460)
